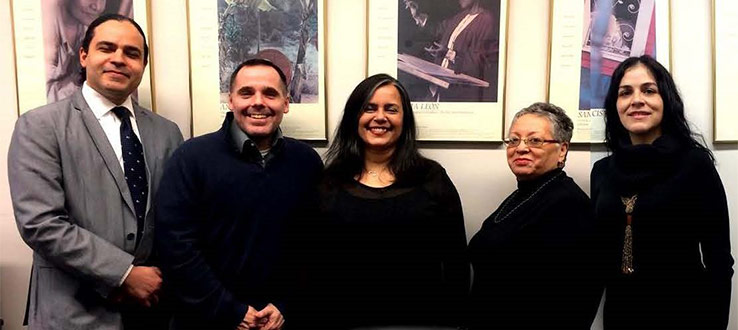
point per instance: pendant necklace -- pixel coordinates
(627, 263)
(499, 219)
(376, 175)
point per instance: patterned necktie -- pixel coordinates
(134, 167)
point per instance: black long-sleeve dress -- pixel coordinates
(534, 266)
(682, 264)
(389, 256)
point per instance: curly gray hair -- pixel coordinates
(562, 125)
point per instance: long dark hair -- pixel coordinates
(673, 122)
(345, 156)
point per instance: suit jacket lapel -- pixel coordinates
(103, 147)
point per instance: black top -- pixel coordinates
(532, 259)
(222, 224)
(681, 246)
(390, 256)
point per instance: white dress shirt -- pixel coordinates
(110, 124)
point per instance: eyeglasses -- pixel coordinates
(533, 142)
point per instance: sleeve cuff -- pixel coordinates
(125, 276)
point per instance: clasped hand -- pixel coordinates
(437, 50)
(269, 318)
(141, 286)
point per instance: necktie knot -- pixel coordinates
(120, 112)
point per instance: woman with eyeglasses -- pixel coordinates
(662, 209)
(532, 256)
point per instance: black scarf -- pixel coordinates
(636, 167)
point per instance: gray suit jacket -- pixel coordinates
(73, 208)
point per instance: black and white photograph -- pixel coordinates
(451, 56)
(448, 51)
(64, 26)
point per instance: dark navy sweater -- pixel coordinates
(223, 221)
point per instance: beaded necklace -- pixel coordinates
(627, 262)
(499, 219)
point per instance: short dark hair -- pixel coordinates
(673, 122)
(258, 62)
(562, 125)
(345, 156)
(90, 33)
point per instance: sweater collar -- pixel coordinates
(533, 184)
(638, 166)
(241, 140)
(243, 145)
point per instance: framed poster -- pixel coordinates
(290, 33)
(725, 70)
(48, 36)
(450, 55)
(580, 70)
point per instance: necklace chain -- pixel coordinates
(376, 175)
(499, 219)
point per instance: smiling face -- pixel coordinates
(464, 4)
(380, 123)
(527, 162)
(114, 62)
(640, 106)
(258, 101)
(86, 11)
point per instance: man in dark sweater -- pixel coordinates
(227, 204)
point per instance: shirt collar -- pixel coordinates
(100, 105)
(239, 137)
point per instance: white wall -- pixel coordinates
(479, 171)
(15, 256)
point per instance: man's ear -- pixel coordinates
(82, 57)
(230, 101)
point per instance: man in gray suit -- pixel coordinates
(81, 172)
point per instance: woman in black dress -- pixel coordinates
(533, 256)
(392, 231)
(662, 209)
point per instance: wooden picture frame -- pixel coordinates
(48, 35)
(452, 60)
(224, 33)
(631, 28)
(725, 70)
